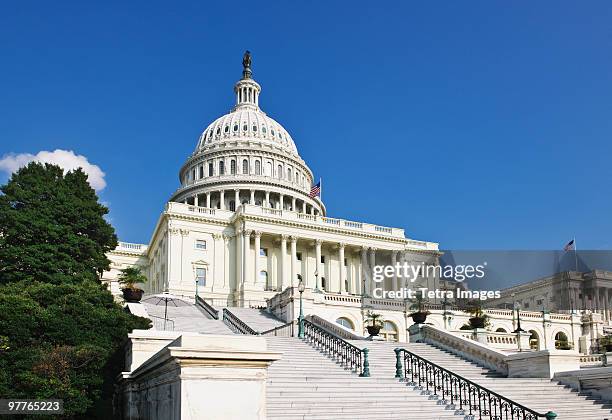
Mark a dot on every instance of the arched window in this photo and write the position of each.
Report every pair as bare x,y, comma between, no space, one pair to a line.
346,323
389,331
289,176
221,168
245,166
257,167
233,167
201,171
211,169
561,342
280,172
501,330
534,340
268,169
232,205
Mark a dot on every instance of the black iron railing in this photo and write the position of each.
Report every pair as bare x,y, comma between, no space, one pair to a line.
162,324
349,355
210,310
460,393
285,330
236,324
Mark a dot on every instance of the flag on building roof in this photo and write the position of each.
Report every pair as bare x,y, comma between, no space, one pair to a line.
315,190
571,245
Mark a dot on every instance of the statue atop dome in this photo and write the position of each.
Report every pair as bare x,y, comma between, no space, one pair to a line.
246,64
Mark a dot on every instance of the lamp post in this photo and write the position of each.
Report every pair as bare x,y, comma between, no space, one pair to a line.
517,307
301,316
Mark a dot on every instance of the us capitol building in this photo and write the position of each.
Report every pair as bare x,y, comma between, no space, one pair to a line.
243,225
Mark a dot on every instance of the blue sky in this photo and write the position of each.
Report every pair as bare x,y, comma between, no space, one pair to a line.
479,125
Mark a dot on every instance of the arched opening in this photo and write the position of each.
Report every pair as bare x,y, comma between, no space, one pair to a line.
280,172
268,169
233,167
389,331
257,167
245,166
211,170
346,323
534,340
561,341
221,168
501,330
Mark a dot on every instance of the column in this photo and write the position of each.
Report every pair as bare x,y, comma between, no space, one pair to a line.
252,199
606,305
312,210
304,207
195,200
318,263
364,272
294,262
236,198
342,271
394,282
256,265
208,199
282,202
596,301
222,198
267,203
283,270
372,263
239,250
293,204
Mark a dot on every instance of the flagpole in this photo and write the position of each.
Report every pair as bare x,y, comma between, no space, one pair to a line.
576,254
320,189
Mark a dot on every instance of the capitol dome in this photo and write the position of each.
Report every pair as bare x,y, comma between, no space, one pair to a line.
246,157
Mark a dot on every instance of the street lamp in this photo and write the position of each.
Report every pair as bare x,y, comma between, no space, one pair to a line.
517,307
316,273
301,317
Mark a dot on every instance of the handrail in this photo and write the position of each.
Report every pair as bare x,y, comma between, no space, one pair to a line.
210,310
285,330
236,324
474,400
348,354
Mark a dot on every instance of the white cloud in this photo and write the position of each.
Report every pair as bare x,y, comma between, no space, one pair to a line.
66,159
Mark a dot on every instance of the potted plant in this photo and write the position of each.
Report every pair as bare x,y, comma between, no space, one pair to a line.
418,306
479,319
376,323
129,278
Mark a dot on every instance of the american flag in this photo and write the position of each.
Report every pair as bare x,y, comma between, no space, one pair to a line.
315,190
570,246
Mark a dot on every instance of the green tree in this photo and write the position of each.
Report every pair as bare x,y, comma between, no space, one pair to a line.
52,227
61,332
131,276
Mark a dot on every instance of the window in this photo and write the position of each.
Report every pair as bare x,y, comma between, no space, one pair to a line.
345,262
232,205
289,174
254,128
389,331
201,276
323,285
345,322
526,305
263,276
257,167
298,255
226,129
264,130
540,302
233,167
268,169
211,169
201,171
245,166
561,342
218,131
500,330
200,244
245,127
280,172
236,127
222,168
322,259
263,252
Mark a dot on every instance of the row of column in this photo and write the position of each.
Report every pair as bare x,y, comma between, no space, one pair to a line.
289,272
305,207
597,301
